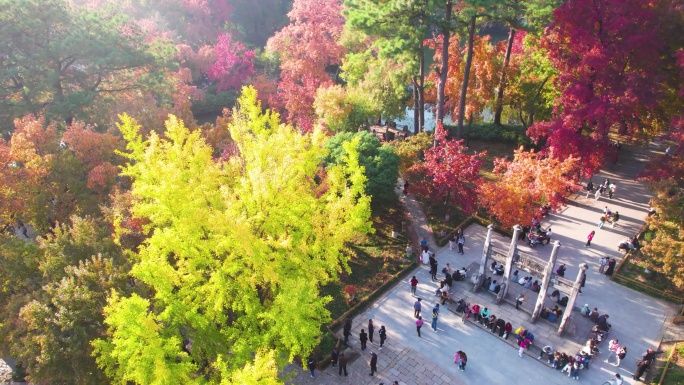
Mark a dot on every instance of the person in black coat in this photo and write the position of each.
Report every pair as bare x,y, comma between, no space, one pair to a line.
433,267
383,335
343,364
334,356
347,330
500,325
374,363
311,364
371,330
363,337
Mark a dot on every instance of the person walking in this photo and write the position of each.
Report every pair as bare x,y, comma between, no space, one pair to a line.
611,190
461,243
374,363
414,285
597,195
645,362
602,221
347,330
613,346
617,380
416,308
590,237
363,337
371,330
462,360
383,335
642,366
435,315
311,364
519,300
523,343
334,357
343,364
602,265
561,270
419,324
614,219
621,354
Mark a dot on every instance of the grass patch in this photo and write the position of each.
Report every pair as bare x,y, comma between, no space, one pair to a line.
494,150
675,371
374,260
640,273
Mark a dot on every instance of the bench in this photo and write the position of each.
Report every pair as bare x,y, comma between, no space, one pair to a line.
534,350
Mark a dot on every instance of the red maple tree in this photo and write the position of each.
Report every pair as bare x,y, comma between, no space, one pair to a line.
234,63
306,47
448,173
607,53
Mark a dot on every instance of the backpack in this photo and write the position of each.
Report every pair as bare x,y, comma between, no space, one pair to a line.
622,352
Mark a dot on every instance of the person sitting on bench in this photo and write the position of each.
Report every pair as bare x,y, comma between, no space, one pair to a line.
594,315
445,297
536,287
555,295
585,310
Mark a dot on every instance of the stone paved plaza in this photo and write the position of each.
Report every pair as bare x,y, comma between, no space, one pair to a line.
639,321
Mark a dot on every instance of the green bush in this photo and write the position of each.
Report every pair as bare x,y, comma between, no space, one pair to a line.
214,103
492,132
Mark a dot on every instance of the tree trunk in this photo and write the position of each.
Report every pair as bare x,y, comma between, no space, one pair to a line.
466,75
421,89
502,79
416,104
443,72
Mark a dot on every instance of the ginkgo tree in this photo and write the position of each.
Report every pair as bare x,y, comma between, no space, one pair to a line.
236,249
525,183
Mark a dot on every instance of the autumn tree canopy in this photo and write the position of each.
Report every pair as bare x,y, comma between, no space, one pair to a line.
306,47
236,249
609,60
58,60
524,184
448,173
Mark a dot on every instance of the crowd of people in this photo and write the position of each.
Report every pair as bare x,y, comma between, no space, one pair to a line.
567,363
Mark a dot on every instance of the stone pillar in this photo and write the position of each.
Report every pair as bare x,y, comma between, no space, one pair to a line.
545,281
509,264
573,297
477,283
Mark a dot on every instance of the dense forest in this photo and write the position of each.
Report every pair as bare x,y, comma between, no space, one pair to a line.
179,177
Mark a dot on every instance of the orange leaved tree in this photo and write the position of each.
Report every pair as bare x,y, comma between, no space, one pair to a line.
525,183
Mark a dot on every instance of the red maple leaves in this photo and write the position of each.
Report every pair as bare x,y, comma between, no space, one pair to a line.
234,63
448,173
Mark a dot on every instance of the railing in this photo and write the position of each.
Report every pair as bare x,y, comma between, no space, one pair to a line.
649,289
621,278
667,364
